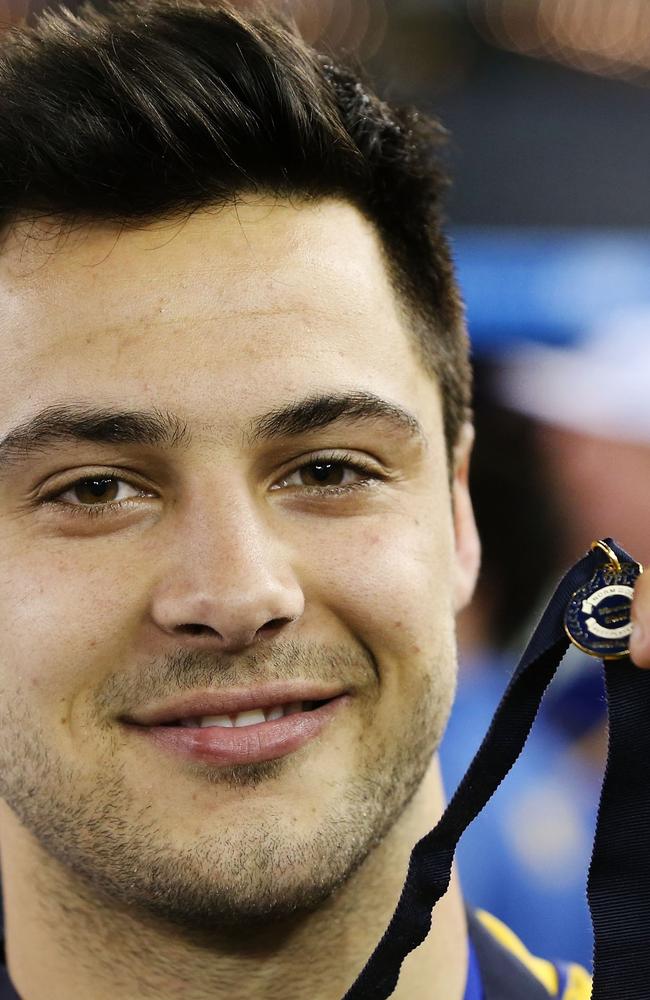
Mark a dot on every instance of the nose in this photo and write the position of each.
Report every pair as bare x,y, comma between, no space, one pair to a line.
229,580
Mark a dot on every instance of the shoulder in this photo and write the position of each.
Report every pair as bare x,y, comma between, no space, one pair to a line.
510,972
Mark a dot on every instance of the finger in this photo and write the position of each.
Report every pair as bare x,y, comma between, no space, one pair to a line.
640,639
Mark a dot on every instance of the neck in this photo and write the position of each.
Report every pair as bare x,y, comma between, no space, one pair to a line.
88,947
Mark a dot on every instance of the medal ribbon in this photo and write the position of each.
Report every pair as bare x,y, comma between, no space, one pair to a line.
619,874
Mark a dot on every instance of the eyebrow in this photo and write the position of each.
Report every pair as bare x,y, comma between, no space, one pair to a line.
77,422
320,411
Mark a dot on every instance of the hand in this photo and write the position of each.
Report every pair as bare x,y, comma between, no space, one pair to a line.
640,640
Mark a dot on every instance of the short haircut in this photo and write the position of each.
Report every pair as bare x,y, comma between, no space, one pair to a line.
145,110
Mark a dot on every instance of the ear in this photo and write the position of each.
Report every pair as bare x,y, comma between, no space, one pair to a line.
467,544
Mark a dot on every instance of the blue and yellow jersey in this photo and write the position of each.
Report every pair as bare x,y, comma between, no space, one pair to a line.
508,971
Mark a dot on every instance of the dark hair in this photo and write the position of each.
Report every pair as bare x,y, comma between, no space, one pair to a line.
147,109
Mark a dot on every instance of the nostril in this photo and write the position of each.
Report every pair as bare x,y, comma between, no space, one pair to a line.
197,630
275,623
194,628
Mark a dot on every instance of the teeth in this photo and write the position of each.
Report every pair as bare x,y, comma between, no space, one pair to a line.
252,717
215,720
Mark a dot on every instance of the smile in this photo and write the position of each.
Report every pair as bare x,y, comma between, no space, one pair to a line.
247,738
251,717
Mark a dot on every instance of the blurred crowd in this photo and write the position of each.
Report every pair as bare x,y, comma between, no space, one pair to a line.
562,458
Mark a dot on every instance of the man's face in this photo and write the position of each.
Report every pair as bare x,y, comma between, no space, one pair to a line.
225,558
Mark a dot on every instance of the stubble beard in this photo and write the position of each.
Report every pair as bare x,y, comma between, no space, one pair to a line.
114,851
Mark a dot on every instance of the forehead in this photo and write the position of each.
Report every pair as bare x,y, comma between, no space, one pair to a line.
279,294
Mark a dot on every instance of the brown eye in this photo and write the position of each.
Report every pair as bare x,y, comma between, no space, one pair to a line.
96,491
329,473
323,474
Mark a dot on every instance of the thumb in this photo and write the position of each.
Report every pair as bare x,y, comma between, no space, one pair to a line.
640,639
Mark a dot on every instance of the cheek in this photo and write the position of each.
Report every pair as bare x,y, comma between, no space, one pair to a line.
60,621
391,586
401,608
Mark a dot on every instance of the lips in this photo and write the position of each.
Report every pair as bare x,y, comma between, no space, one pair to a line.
253,716
198,704
251,744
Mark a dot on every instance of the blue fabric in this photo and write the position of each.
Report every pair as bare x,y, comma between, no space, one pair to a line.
474,987
7,991
563,978
536,832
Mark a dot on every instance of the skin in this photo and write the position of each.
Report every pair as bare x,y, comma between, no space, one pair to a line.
128,871
640,641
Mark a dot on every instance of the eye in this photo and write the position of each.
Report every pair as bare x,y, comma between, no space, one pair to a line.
330,473
97,491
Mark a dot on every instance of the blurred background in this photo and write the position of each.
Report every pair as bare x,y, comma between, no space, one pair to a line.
549,216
